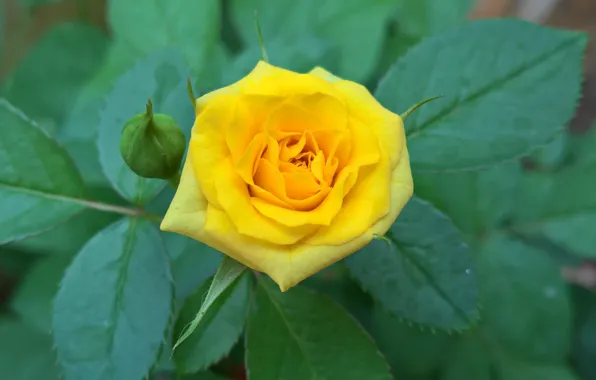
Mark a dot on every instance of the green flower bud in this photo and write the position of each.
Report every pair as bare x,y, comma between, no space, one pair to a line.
153,145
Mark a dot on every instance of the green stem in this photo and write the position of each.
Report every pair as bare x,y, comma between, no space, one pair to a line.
264,55
174,181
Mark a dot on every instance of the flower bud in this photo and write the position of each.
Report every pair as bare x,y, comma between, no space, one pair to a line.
153,145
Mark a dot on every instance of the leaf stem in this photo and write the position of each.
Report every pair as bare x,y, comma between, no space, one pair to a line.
264,55
118,209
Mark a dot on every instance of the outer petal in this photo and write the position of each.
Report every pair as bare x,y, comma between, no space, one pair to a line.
266,79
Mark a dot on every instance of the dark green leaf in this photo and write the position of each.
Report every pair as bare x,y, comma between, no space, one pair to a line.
468,359
476,201
553,154
29,3
220,328
561,205
509,86
227,274
39,185
33,299
336,282
114,304
525,302
201,376
14,263
299,55
162,77
424,273
47,81
192,263
356,27
26,354
584,345
303,335
512,370
67,238
192,27
410,350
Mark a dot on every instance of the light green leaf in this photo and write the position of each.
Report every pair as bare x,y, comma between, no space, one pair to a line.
220,328
424,273
227,274
356,27
114,304
47,81
34,297
494,109
162,77
525,302
192,27
39,185
476,201
301,334
26,354
410,350
428,17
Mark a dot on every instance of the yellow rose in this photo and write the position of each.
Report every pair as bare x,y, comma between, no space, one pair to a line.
289,173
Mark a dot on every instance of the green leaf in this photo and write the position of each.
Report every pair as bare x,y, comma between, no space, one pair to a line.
67,238
162,77
299,55
553,154
467,359
81,143
410,350
356,27
220,328
14,263
494,109
192,263
560,205
525,302
428,17
424,273
584,345
512,370
200,376
26,353
301,334
227,274
31,3
336,282
114,304
47,81
34,297
39,184
476,201
192,27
